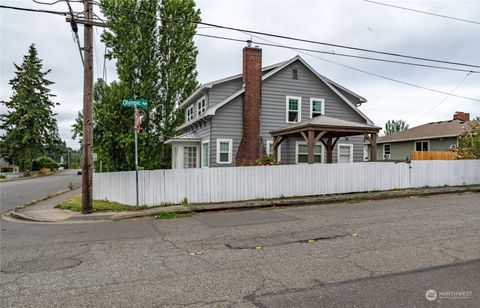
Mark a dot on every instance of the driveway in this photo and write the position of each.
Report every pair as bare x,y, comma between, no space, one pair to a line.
13,193
372,254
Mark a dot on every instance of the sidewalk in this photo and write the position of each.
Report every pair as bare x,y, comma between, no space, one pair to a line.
45,210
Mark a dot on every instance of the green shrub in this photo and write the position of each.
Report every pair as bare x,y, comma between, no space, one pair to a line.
44,162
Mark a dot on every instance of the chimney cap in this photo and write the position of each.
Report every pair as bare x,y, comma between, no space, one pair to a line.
249,43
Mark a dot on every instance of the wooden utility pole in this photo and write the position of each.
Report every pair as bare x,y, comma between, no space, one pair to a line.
87,175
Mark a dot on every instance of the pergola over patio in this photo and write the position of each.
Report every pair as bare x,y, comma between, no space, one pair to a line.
327,130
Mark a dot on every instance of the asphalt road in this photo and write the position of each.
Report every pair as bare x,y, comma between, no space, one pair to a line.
13,193
372,254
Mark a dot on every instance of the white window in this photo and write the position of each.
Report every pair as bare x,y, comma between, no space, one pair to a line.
201,105
224,151
293,109
422,145
386,151
301,152
189,157
191,112
270,150
317,107
205,154
345,153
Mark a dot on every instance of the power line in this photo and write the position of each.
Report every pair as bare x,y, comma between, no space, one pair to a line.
300,50
308,40
333,53
33,10
55,2
450,94
423,12
379,76
74,27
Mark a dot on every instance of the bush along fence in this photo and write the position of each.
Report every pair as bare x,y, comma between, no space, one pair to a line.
246,183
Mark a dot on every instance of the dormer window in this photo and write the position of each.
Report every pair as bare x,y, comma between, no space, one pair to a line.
201,105
191,112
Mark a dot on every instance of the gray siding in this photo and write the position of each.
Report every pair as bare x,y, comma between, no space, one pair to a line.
221,91
228,120
227,124
273,111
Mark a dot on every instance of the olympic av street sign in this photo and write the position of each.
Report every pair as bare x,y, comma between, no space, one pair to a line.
135,103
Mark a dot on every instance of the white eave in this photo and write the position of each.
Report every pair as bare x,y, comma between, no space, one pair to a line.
415,138
201,90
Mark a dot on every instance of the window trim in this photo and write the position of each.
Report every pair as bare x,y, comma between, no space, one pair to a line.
196,155
322,158
383,157
415,145
350,145
202,109
208,160
193,115
312,99
230,151
279,151
287,110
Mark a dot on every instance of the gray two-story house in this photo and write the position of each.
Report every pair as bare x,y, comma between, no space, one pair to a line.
229,122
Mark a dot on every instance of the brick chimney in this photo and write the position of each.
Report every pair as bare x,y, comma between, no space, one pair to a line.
462,116
249,149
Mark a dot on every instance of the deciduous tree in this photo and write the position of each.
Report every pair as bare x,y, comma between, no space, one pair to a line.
395,126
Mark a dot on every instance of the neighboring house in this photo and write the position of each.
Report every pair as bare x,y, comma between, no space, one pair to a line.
7,167
435,136
229,122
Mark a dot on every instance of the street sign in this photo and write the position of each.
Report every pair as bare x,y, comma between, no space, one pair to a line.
132,103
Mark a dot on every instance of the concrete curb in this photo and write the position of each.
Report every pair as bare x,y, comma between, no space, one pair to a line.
282,203
325,200
21,216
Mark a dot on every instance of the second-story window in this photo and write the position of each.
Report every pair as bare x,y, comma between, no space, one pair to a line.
317,107
201,106
191,112
294,107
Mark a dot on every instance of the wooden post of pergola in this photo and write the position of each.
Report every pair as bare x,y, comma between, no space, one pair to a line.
276,143
329,146
372,138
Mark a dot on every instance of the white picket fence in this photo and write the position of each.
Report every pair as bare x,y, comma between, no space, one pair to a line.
246,183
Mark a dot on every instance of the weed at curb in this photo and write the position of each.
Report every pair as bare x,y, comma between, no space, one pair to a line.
173,215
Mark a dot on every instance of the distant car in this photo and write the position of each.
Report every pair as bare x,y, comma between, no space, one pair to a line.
79,172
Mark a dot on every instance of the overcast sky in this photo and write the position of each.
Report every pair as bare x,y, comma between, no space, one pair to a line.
355,23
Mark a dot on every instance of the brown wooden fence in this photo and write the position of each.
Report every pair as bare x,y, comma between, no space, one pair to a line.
433,155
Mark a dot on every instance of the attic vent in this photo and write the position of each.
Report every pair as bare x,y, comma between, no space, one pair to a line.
295,74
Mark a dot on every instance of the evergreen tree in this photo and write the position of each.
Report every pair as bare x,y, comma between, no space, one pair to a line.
30,129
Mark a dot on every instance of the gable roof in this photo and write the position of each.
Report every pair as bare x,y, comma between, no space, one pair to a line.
208,85
187,137
442,129
325,80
